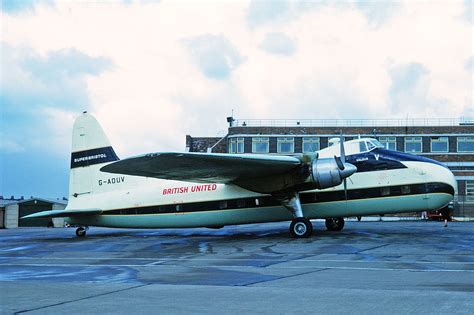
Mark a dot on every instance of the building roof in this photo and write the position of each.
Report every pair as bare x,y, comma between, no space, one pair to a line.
7,202
408,122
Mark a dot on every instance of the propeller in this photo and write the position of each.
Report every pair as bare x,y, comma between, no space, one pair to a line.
342,160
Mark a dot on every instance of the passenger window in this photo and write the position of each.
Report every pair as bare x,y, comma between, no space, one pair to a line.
223,205
405,190
385,191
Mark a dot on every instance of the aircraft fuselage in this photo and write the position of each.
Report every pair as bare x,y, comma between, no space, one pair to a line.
386,182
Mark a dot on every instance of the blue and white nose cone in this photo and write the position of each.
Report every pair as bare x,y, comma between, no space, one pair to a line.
440,182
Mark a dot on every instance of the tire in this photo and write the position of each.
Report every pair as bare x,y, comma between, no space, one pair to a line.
301,228
335,224
81,232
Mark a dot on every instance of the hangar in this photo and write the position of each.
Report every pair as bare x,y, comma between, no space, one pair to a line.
13,208
449,140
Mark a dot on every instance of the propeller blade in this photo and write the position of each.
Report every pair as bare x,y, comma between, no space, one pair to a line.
339,163
341,144
345,188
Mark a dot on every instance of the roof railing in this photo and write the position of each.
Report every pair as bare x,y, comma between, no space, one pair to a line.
410,122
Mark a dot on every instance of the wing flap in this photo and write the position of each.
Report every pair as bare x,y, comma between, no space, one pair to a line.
204,167
63,213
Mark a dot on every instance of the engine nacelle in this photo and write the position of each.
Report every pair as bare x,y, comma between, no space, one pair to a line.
326,172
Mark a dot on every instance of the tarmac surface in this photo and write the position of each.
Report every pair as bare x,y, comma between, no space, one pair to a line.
369,267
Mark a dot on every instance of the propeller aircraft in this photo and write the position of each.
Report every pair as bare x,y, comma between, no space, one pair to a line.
185,190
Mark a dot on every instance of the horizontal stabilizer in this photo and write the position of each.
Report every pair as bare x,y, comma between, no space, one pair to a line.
204,167
63,213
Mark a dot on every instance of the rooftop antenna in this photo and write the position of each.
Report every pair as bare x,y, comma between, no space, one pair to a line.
231,119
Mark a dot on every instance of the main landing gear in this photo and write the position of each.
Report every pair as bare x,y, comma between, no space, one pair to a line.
81,231
300,226
335,224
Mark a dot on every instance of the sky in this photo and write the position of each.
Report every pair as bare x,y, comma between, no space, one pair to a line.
153,71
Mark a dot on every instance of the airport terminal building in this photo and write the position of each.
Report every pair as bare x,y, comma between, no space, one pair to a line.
450,141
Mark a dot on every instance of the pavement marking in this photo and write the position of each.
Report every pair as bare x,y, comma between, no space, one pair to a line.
161,260
81,299
232,266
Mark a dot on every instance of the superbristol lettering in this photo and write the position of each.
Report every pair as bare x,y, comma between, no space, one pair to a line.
90,157
111,181
184,190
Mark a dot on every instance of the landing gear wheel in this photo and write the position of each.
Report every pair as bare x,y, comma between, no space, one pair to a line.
301,228
335,224
81,232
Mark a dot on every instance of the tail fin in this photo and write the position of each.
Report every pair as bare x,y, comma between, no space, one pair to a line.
90,150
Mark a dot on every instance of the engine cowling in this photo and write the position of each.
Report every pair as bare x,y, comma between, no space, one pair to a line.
328,172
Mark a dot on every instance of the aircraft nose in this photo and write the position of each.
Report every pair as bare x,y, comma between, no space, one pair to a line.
348,170
441,185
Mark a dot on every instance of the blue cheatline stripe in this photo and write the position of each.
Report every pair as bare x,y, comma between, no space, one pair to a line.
306,198
92,157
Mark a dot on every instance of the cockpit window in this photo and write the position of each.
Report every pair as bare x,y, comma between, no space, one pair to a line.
372,144
363,146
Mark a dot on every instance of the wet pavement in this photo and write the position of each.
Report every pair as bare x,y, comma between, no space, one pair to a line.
376,267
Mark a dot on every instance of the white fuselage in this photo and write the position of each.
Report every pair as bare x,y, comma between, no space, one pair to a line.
122,199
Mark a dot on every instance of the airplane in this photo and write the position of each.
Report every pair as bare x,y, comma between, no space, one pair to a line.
187,190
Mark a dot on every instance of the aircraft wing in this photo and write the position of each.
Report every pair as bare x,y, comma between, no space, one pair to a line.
204,167
63,213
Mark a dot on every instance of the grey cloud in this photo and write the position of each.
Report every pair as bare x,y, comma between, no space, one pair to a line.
279,44
214,55
410,88
469,64
377,12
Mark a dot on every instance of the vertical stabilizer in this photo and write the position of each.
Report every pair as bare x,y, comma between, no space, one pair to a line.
90,150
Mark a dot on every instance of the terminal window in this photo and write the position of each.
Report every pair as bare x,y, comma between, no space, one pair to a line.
470,191
285,145
236,145
389,143
465,144
310,144
439,144
413,145
260,145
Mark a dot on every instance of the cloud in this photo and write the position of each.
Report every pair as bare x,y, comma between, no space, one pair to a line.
214,55
469,10
20,6
31,83
469,64
153,73
279,44
64,64
261,11
378,12
410,90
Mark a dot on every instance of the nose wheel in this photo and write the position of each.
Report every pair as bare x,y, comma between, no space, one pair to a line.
81,231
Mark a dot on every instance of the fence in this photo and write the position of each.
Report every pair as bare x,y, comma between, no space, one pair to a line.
464,206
